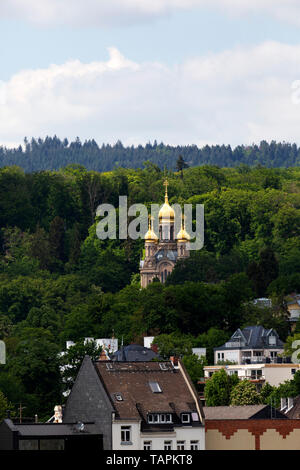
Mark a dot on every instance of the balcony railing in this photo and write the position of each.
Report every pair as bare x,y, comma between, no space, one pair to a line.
266,360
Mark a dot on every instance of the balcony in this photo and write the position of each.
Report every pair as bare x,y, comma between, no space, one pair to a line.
265,360
254,378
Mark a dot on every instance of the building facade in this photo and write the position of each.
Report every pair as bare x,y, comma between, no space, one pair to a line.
138,405
252,345
162,251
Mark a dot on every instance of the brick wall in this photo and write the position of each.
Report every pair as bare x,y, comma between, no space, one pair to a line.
262,434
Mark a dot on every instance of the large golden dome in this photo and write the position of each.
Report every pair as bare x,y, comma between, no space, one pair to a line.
166,212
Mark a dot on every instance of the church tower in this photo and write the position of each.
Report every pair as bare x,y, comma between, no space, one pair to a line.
162,251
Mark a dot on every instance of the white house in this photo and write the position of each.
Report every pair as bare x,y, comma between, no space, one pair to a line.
138,405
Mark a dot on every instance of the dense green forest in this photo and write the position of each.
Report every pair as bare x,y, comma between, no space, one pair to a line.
59,282
53,153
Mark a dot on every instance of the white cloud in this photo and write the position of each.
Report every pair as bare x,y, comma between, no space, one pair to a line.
242,95
106,13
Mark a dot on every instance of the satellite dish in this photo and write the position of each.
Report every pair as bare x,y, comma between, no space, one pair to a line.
80,426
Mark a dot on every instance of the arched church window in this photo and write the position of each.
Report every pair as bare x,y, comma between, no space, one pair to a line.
172,233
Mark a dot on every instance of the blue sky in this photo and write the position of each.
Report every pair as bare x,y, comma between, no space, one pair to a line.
185,74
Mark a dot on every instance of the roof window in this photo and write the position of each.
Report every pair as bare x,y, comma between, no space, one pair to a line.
155,387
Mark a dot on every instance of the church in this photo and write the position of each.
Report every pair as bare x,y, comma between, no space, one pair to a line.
163,250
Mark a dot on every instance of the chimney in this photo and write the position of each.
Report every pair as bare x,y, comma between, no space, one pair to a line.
36,419
174,361
154,348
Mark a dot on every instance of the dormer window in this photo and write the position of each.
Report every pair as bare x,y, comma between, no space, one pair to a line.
272,340
185,418
119,397
159,418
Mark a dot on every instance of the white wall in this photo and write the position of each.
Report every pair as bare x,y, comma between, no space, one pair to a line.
186,434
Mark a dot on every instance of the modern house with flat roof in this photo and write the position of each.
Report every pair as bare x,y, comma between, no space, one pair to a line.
259,374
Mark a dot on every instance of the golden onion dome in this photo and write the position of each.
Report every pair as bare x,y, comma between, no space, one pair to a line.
182,235
166,212
151,235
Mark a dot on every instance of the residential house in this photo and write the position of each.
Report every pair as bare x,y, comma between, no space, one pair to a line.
138,405
251,345
259,374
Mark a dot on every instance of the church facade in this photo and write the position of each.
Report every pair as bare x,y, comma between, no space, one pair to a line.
164,249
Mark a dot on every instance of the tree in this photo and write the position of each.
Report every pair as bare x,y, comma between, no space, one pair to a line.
3,406
213,338
180,165
57,238
72,358
244,393
265,392
36,365
194,365
217,389
174,344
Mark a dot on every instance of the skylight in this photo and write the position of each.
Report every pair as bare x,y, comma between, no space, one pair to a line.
155,387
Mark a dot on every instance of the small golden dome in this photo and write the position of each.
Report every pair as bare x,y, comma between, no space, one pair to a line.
182,235
166,212
151,235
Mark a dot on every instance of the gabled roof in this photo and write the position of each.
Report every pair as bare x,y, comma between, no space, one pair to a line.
128,386
254,337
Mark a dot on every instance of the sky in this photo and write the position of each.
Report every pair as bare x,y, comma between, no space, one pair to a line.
177,71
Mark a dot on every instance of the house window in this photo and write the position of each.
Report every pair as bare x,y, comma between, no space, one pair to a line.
185,418
180,445
125,434
194,445
256,374
220,356
293,371
154,418
147,445
167,445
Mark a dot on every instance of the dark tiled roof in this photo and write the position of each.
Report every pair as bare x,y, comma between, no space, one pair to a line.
256,338
131,380
133,353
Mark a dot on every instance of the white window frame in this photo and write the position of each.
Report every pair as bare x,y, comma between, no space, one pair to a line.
185,418
168,445
160,418
180,445
194,445
147,445
126,434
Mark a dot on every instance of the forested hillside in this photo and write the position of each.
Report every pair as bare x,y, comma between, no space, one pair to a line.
53,154
59,282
